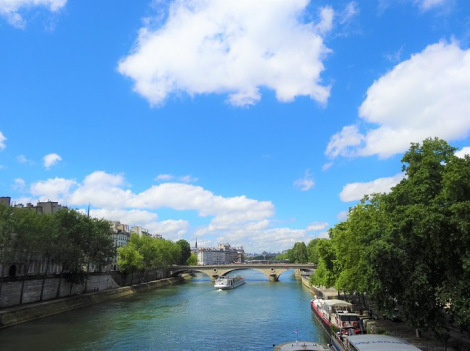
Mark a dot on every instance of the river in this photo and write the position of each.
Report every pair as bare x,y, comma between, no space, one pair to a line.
188,316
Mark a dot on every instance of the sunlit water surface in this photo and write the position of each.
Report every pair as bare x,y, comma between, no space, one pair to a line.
189,316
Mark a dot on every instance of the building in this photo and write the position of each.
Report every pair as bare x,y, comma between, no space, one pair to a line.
120,233
224,254
139,230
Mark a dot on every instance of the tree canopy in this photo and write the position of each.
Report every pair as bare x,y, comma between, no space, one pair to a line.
410,247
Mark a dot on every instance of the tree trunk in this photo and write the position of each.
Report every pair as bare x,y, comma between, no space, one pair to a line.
44,280
24,279
418,333
60,280
86,277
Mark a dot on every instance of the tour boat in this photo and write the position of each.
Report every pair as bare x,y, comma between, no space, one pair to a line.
337,316
301,346
227,282
371,342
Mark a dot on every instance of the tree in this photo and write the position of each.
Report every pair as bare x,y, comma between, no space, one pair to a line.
312,251
412,254
455,197
98,245
129,259
192,260
68,253
298,254
325,274
185,251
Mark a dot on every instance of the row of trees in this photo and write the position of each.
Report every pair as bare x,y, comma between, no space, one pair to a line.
76,244
408,248
66,239
144,254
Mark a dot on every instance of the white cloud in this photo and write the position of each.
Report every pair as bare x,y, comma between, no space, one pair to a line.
425,5
305,183
316,226
341,142
56,189
356,191
51,159
326,23
342,216
350,11
231,47
233,218
164,177
24,159
169,177
2,141
464,151
175,228
425,96
10,9
20,184
102,190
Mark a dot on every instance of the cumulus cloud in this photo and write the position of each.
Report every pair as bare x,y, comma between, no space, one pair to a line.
2,141
356,191
462,152
231,47
316,226
169,177
425,96
51,159
305,183
11,9
233,218
56,189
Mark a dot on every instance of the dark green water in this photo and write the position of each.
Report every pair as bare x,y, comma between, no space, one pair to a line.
190,316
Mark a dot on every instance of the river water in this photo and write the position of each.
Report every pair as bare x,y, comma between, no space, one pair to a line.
188,316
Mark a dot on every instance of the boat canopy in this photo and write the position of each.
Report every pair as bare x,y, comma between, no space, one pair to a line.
371,342
337,303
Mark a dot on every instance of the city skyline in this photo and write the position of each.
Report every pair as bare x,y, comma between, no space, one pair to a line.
257,123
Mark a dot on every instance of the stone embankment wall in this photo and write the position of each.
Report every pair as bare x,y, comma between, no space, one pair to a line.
24,313
11,289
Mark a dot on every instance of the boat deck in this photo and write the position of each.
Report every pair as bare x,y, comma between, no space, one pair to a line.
301,346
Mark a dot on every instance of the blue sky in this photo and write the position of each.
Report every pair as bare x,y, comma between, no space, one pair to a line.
253,122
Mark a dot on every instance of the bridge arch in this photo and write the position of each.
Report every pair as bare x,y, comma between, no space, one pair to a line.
272,271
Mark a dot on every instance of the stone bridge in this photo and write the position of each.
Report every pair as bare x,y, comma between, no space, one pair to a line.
271,270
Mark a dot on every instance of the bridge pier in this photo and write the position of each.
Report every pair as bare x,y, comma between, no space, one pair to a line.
273,278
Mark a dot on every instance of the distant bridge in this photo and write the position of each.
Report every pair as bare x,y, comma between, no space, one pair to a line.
271,270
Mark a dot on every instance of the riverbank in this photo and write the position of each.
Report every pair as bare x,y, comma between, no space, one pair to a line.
456,341
24,313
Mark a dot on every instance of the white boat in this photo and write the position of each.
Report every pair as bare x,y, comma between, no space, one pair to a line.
301,346
372,342
228,282
337,315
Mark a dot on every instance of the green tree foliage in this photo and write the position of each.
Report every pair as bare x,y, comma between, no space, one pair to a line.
298,254
67,238
411,247
185,251
325,274
144,254
192,260
312,251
